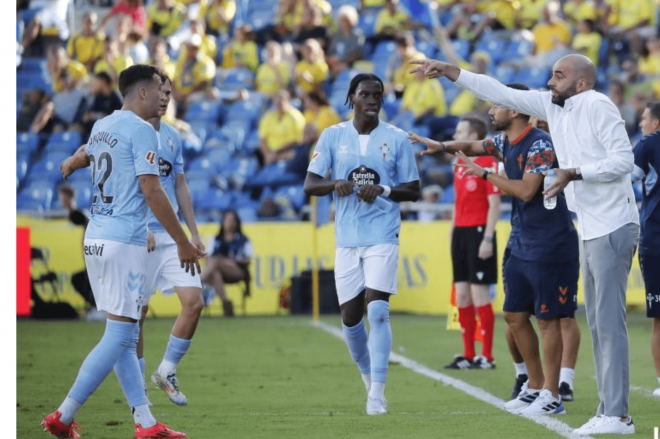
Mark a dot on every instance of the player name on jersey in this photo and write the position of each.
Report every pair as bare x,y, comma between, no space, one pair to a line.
105,137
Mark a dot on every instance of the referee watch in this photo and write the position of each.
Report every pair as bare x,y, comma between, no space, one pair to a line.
578,174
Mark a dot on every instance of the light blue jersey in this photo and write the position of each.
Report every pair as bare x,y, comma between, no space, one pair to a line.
170,163
122,146
389,160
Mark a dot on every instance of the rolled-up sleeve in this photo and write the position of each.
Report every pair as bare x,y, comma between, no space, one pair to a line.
609,128
529,102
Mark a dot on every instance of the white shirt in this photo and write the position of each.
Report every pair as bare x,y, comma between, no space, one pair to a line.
589,133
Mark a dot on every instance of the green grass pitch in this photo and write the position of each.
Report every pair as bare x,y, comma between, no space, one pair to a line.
279,377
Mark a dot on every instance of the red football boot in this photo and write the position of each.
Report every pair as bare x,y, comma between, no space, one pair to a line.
157,431
54,426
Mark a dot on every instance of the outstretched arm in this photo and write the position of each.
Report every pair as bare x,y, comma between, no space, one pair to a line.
469,148
77,161
529,102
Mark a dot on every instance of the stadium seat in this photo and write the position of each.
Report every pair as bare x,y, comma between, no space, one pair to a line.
383,51
251,142
534,77
34,65
367,21
45,170
448,195
428,48
64,142
215,199
21,168
40,192
493,46
504,73
238,78
219,157
28,204
261,19
517,49
247,111
462,48
201,165
81,175
247,214
203,111
202,129
27,143
83,194
294,193
391,105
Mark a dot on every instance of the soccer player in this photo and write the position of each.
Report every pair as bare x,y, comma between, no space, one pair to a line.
123,153
377,160
474,251
163,268
647,164
542,271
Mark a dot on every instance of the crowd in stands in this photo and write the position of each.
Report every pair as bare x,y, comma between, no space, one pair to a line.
255,82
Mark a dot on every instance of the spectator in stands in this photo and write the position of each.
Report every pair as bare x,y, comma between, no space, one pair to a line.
649,62
114,61
430,197
312,70
218,15
274,74
209,46
311,27
61,111
229,261
164,17
193,80
47,29
160,57
390,23
136,49
103,101
130,8
319,115
86,46
31,103
347,43
476,16
280,130
578,10
551,36
406,51
364,4
530,13
58,62
426,101
587,41
242,51
636,82
291,14
635,20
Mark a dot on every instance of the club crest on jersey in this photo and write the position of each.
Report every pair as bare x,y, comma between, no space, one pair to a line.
150,157
362,175
384,149
343,149
170,141
563,295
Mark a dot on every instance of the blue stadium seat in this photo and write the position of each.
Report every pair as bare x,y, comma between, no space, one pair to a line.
27,203
534,77
261,19
198,185
234,132
248,111
219,157
45,170
199,166
367,21
448,195
251,143
246,166
34,65
21,168
517,49
504,74
202,129
27,143
81,175
462,48
215,199
384,50
493,46
64,142
238,78
247,214
428,48
83,194
203,111
391,105
294,193
41,192
55,156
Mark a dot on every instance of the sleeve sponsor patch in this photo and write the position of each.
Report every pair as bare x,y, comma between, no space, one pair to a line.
150,157
315,156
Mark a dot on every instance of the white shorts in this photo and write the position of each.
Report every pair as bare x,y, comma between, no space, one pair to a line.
164,269
357,268
117,273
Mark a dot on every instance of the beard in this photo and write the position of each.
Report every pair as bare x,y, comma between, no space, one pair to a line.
560,98
501,125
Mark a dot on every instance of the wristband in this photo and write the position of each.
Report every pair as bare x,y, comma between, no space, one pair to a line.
485,174
488,238
386,190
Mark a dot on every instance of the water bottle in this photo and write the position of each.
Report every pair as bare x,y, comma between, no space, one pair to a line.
380,202
549,203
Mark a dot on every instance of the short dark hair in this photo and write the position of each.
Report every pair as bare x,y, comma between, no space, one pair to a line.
654,109
163,76
133,75
356,81
67,190
519,86
318,98
103,76
477,125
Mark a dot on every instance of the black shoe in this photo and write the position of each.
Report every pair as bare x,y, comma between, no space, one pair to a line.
481,362
459,363
565,392
517,386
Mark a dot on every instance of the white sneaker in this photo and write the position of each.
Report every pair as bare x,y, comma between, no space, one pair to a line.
607,424
523,401
656,392
545,404
376,406
170,385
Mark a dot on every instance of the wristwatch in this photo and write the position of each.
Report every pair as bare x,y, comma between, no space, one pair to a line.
485,174
578,174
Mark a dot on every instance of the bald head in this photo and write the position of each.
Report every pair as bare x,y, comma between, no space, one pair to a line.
571,75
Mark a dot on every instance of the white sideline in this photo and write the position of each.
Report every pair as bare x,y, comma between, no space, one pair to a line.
548,422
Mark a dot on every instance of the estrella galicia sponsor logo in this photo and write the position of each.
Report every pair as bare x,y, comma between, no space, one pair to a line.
164,167
362,175
94,250
100,210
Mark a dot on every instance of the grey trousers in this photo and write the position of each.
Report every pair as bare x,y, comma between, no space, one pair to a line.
606,265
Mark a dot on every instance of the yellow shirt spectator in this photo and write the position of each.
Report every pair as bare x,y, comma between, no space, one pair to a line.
213,21
632,12
267,80
372,3
545,34
245,53
85,48
119,64
208,48
505,11
190,75
419,96
581,11
530,12
326,117
316,73
387,23
279,132
401,76
165,22
650,65
76,69
589,44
